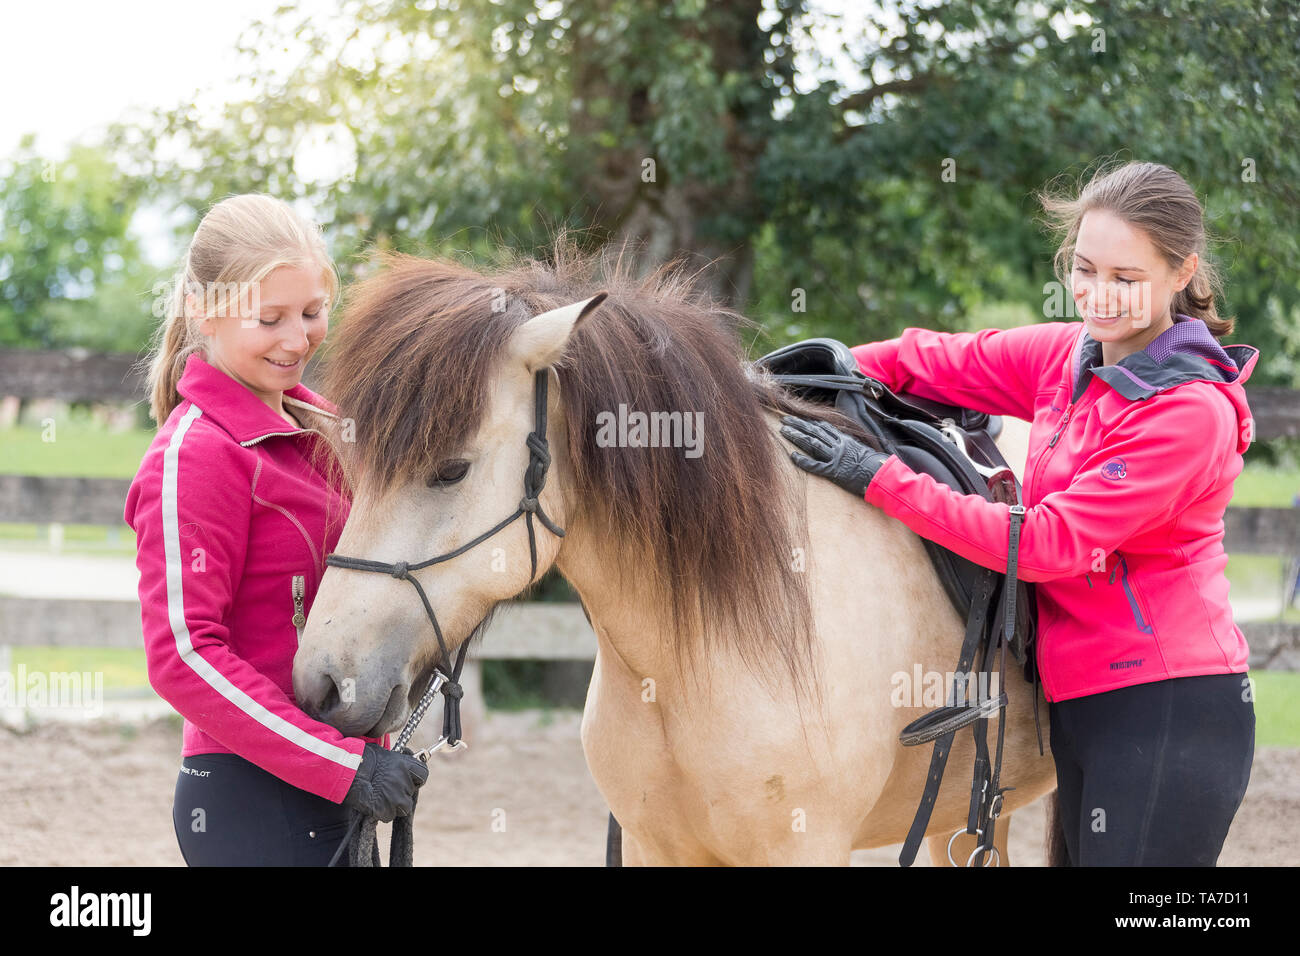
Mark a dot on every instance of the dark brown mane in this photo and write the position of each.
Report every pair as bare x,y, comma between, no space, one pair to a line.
419,340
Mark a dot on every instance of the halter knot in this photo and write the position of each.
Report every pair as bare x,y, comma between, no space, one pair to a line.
452,690
399,570
527,504
540,448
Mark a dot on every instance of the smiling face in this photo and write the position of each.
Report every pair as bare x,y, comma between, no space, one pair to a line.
266,341
1122,286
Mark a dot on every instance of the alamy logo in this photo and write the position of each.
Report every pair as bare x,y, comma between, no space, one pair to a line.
102,909
1114,469
653,430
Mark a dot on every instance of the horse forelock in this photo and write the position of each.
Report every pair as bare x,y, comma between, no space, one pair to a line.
420,342
409,363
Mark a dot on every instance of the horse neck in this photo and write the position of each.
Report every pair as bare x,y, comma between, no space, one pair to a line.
627,608
626,612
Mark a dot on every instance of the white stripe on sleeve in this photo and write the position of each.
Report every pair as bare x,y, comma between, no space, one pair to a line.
176,613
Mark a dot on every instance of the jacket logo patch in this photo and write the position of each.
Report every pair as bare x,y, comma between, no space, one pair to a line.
1114,469
1125,665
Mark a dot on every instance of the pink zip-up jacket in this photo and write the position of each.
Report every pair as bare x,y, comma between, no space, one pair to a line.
1130,468
232,525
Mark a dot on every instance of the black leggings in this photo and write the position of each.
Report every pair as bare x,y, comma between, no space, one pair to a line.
230,812
1152,775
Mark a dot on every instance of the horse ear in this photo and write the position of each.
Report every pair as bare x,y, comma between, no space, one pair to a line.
540,341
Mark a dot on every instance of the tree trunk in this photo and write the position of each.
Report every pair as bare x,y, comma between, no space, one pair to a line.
671,216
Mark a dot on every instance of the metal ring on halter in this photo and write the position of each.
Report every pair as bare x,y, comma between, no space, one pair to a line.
441,744
978,833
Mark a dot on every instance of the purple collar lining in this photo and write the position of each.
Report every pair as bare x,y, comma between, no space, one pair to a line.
1187,335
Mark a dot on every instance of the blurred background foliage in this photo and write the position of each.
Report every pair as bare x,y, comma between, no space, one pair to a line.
800,158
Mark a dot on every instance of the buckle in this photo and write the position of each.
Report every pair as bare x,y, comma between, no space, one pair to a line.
441,745
995,805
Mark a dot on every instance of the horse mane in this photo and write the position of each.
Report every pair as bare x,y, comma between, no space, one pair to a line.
713,534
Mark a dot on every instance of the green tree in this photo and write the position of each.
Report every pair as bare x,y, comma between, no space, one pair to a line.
479,123
64,241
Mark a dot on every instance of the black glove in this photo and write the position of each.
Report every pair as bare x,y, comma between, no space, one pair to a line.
385,784
835,455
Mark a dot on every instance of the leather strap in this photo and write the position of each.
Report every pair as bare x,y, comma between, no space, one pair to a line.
986,795
939,759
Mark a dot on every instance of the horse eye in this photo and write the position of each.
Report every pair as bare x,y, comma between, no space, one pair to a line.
449,472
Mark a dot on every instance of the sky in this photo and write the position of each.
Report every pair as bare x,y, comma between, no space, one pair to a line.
82,64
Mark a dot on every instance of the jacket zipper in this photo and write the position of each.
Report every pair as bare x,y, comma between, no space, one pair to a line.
1061,426
299,592
1038,468
1042,459
260,438
1133,605
311,547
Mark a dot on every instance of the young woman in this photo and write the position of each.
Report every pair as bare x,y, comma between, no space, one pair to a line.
1139,425
234,513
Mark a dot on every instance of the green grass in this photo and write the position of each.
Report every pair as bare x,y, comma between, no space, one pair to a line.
1255,575
77,538
1277,708
1261,487
123,667
80,448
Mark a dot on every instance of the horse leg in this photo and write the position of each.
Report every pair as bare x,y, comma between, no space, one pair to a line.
964,845
632,855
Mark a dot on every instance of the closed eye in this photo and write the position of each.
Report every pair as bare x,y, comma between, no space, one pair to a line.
1088,272
305,315
448,473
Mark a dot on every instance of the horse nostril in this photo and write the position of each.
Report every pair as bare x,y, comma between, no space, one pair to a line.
331,700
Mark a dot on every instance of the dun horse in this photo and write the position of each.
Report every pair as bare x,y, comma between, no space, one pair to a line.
760,631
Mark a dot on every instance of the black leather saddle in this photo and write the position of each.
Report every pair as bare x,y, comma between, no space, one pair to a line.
953,445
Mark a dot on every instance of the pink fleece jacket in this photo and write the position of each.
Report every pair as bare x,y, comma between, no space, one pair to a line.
233,523
1129,471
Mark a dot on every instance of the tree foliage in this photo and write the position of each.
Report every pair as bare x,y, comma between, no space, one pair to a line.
720,130
67,263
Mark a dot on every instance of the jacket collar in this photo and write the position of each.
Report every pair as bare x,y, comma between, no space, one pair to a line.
1186,351
241,413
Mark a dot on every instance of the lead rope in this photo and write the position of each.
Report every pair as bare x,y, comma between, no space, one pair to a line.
360,841
364,851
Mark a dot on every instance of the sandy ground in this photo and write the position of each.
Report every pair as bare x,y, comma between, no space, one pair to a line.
100,794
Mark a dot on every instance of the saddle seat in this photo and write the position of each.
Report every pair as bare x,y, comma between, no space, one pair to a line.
953,445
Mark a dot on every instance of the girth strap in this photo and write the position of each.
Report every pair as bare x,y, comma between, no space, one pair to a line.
943,744
942,725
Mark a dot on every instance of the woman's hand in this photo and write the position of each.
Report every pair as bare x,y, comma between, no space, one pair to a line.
835,455
385,784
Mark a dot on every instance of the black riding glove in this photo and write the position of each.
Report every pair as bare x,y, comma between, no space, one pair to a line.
835,455
386,782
